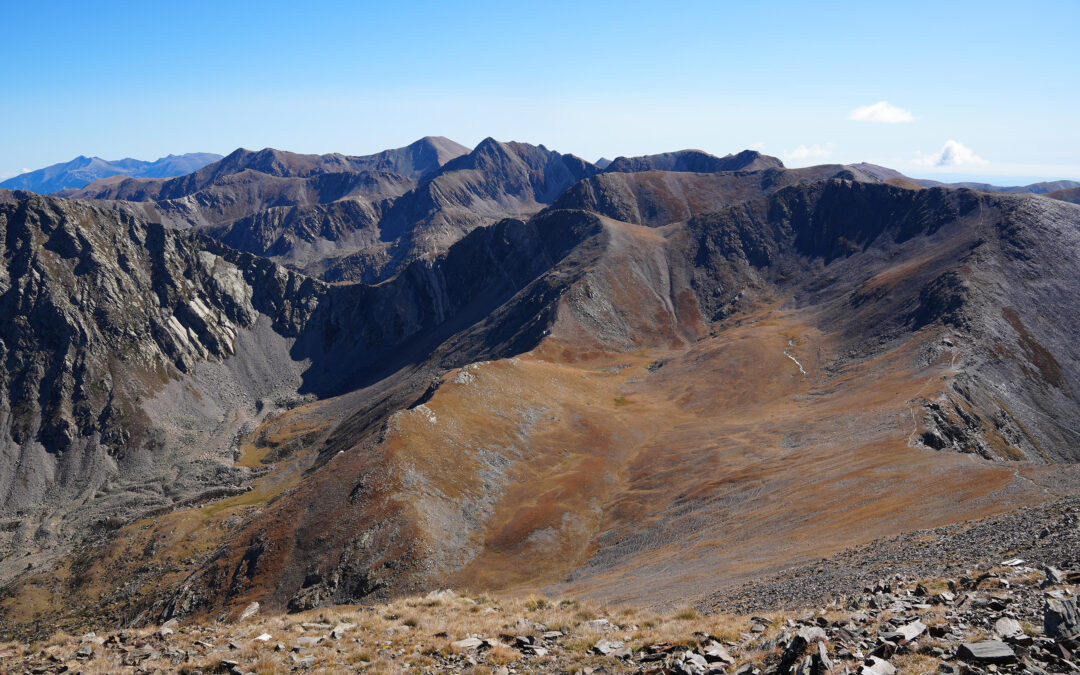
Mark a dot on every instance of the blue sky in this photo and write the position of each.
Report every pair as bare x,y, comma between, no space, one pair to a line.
974,89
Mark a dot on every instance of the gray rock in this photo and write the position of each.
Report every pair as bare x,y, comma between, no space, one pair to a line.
714,651
988,651
912,630
1006,627
605,647
822,658
467,643
137,656
811,633
1060,618
1054,575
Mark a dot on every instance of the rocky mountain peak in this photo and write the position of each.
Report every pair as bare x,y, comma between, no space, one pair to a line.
695,161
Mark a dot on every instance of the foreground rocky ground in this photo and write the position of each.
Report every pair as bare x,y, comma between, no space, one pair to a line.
1012,616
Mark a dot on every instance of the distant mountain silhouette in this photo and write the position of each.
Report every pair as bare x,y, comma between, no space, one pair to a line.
82,171
887,174
695,161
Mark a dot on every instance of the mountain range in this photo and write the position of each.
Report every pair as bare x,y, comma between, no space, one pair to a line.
307,380
82,171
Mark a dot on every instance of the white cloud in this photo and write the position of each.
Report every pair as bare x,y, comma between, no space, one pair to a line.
809,152
757,145
953,153
4,175
882,111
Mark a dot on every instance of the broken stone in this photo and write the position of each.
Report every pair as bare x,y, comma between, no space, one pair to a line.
467,643
714,651
822,660
1054,575
792,652
137,656
339,630
304,662
605,647
912,630
1060,618
811,633
1006,627
987,651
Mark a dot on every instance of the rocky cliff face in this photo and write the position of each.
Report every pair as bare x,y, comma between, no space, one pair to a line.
106,311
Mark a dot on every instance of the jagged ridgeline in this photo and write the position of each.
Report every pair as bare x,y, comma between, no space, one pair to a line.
305,380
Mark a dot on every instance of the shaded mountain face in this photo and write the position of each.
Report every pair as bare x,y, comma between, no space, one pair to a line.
362,218
351,218
585,398
82,171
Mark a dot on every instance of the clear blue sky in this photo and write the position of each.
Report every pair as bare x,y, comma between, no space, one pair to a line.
998,80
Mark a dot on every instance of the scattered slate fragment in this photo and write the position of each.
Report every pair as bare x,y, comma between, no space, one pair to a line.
987,651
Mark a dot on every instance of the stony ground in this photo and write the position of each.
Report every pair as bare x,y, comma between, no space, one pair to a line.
1048,534
1009,618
